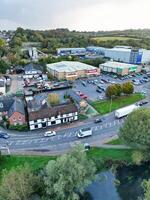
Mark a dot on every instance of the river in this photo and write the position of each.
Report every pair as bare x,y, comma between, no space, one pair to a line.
124,184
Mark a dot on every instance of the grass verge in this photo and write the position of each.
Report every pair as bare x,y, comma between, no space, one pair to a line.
103,107
115,142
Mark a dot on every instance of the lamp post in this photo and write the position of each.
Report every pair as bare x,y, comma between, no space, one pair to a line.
111,103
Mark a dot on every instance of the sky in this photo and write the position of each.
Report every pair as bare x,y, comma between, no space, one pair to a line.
81,15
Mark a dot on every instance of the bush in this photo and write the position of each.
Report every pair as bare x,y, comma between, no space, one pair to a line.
19,127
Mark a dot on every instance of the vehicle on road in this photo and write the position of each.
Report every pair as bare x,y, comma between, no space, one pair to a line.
142,103
98,120
87,147
49,133
122,112
4,135
85,132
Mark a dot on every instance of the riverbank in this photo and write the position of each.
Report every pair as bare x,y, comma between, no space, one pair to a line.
38,162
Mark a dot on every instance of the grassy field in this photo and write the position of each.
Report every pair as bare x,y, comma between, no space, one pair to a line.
38,162
103,107
110,154
103,39
115,142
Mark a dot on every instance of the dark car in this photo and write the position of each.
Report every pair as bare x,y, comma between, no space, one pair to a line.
143,103
99,120
4,135
98,90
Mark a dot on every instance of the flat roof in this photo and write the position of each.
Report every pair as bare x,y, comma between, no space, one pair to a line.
69,66
117,65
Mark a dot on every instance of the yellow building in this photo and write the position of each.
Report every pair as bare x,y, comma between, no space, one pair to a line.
71,70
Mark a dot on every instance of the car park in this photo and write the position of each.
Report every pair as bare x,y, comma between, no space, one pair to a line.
49,133
4,135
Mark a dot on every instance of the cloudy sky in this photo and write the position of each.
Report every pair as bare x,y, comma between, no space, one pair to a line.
89,15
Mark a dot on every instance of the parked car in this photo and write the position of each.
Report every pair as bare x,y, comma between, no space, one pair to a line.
98,90
49,133
84,83
98,120
4,135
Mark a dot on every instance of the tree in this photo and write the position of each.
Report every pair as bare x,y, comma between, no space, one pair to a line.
67,176
137,157
136,129
18,184
127,88
53,99
146,188
111,91
3,66
118,89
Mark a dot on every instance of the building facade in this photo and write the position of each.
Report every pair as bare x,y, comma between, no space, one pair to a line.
71,52
71,70
48,117
120,68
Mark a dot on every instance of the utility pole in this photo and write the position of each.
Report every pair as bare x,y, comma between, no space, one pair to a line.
110,103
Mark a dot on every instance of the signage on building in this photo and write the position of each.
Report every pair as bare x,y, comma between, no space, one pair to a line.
91,71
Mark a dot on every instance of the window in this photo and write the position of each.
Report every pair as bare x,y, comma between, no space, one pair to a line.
20,118
53,123
14,119
36,126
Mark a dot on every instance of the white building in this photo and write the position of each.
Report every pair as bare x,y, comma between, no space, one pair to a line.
2,86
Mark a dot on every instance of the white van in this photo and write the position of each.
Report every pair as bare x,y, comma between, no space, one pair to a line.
85,132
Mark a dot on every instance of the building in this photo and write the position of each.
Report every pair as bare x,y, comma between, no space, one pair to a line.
96,50
31,70
125,54
2,86
71,52
71,70
146,56
120,68
50,116
13,110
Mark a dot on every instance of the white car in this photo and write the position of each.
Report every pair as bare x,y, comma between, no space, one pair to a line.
49,133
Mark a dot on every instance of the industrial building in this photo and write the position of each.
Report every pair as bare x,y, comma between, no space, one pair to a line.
96,50
71,70
125,54
120,68
71,52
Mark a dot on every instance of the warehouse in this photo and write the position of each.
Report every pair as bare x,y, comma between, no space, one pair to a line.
120,68
71,52
71,70
125,54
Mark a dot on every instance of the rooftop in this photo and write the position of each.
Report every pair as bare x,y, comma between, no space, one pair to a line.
69,66
117,65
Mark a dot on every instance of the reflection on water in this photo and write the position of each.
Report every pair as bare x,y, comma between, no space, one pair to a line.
124,185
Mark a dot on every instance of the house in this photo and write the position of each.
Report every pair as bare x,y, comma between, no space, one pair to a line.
50,116
13,110
32,70
41,114
81,103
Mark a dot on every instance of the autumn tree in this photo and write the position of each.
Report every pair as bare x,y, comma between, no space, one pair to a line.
127,88
114,90
53,99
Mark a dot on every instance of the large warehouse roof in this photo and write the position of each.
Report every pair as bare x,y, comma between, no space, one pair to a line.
69,66
112,64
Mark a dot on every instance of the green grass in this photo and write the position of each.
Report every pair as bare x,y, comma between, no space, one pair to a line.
36,162
82,117
103,107
115,142
103,39
110,154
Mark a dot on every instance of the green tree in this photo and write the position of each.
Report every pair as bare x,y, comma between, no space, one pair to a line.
66,177
3,66
137,157
146,188
18,184
127,88
118,89
136,129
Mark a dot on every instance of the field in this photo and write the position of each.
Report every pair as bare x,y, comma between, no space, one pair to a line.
103,39
38,162
103,107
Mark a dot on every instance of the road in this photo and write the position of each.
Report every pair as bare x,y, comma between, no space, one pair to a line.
66,136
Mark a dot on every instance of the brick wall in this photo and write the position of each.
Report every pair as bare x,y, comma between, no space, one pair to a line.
17,118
